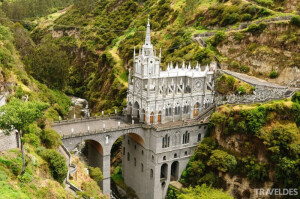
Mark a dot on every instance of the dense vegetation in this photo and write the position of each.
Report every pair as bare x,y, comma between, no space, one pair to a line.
20,9
274,127
227,84
99,40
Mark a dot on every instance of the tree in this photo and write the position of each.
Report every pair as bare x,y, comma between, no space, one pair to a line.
18,115
222,161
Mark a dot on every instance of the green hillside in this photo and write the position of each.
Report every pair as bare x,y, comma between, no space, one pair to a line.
84,48
99,39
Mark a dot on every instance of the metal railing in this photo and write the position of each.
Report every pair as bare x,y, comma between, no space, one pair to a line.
70,171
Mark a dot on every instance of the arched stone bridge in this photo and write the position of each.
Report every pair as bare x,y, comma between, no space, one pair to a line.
159,145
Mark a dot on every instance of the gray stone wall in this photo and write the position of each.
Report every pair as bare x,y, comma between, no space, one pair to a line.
9,141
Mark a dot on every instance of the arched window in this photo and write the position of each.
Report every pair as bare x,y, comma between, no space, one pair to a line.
166,141
168,110
199,137
186,138
186,109
164,158
177,110
175,155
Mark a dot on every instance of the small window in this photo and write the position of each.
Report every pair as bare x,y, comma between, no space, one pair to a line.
205,127
185,153
151,62
199,137
142,152
151,173
123,150
142,167
128,142
152,157
128,156
175,155
200,127
135,146
164,158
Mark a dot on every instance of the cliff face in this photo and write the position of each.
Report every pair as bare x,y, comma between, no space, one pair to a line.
266,148
274,49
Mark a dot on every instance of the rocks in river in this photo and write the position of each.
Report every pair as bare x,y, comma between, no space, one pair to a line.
79,102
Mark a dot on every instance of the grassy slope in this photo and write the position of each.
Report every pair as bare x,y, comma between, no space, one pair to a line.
37,181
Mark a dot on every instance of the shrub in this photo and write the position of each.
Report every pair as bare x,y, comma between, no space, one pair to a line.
241,90
57,164
296,97
230,81
244,69
203,192
222,161
246,17
229,19
235,64
273,74
258,172
51,138
218,38
96,173
295,21
254,28
32,139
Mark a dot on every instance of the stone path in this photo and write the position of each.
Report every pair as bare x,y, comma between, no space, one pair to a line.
252,80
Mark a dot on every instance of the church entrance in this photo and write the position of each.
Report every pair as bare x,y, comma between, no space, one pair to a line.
159,117
196,109
151,118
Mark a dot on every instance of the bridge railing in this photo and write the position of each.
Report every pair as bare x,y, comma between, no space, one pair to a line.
104,117
102,131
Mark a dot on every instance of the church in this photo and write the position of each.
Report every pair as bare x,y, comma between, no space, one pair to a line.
175,94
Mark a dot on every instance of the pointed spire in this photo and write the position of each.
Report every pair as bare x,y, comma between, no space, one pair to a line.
189,65
148,37
197,65
171,66
183,65
176,65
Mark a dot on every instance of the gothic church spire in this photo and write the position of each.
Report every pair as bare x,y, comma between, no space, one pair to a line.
148,37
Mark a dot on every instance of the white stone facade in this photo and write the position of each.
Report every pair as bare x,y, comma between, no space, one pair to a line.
179,93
